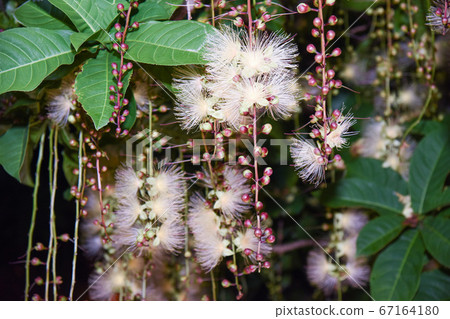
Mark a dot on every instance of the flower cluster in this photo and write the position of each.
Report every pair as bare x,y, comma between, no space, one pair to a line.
325,272
312,157
218,226
240,73
61,102
148,214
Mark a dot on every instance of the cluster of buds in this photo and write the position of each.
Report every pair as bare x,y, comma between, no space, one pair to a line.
328,132
119,114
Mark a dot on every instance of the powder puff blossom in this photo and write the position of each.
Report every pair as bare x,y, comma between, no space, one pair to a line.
106,284
167,182
358,273
209,243
248,240
140,94
171,235
438,17
127,182
229,200
129,210
347,247
351,221
337,138
308,161
60,103
223,47
320,272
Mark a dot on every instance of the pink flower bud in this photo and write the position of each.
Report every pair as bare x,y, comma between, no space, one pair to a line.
246,198
317,22
247,174
258,232
120,7
248,223
259,205
315,33
270,239
266,128
311,48
265,180
332,20
336,52
225,283
242,160
303,8
118,35
243,129
330,35
331,73
248,251
318,58
268,171
264,216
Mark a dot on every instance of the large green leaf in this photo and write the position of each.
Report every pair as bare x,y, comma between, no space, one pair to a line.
28,55
92,87
13,146
31,14
436,235
88,16
356,192
156,10
378,233
168,42
429,168
396,272
434,286
372,170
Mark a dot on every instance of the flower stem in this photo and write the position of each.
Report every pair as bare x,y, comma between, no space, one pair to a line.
80,188
33,215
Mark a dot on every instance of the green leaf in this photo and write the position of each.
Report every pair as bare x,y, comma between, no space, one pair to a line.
156,10
372,170
92,87
434,286
31,14
396,272
88,16
378,233
435,234
28,55
79,38
13,146
356,192
168,42
429,168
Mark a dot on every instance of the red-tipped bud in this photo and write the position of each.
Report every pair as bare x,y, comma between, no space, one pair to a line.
268,171
317,22
332,20
336,52
248,223
259,257
243,129
265,180
238,22
259,205
303,8
270,239
318,58
118,35
266,129
315,33
268,231
266,264
325,90
248,251
117,26
331,73
336,113
311,48
247,174
264,216
243,160
246,198
135,25
124,46
226,283
330,35
258,232
120,7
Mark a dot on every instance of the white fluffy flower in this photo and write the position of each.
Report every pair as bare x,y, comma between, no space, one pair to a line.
320,272
127,182
308,161
351,221
338,137
210,246
167,182
171,235
222,48
248,240
106,284
229,200
358,272
60,103
128,211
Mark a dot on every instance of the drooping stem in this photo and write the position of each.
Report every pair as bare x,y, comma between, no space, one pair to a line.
150,149
144,282
80,189
255,166
213,285
388,58
100,198
250,23
212,14
33,214
324,73
52,213
50,241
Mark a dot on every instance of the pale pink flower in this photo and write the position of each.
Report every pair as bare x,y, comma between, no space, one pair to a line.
308,161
